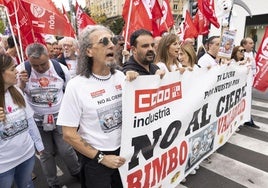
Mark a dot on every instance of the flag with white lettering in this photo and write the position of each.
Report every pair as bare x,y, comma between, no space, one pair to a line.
261,77
20,22
137,15
82,19
47,19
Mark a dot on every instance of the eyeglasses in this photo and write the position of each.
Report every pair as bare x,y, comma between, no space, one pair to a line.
105,40
242,50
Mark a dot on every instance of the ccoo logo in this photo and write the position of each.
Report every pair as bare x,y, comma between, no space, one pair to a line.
37,11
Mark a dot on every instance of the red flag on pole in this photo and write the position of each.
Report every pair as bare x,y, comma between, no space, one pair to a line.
208,10
156,17
201,23
261,78
82,19
65,14
137,15
167,20
47,19
23,29
189,30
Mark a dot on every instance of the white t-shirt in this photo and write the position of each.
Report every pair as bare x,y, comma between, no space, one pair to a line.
16,144
207,61
251,57
162,66
72,64
96,107
44,92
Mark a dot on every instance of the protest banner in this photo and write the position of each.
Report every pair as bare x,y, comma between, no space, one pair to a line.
170,125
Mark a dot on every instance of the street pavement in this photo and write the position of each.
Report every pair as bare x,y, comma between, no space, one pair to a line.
241,162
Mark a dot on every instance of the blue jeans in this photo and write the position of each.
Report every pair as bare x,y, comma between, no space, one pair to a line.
21,174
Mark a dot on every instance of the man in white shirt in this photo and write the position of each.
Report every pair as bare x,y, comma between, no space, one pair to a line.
44,91
248,44
209,58
91,111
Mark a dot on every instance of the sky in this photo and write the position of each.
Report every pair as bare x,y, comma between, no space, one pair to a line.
59,3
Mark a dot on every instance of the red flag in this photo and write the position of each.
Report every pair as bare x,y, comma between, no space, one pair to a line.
46,18
189,29
167,20
156,17
156,10
261,78
24,27
140,16
82,18
65,14
201,23
208,10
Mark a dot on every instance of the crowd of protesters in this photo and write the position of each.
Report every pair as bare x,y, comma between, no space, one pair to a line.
62,80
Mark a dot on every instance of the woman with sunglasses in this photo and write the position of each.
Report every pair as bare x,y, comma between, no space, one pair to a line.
18,131
237,55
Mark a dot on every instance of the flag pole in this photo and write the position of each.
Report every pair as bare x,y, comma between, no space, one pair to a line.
19,35
12,33
127,29
20,55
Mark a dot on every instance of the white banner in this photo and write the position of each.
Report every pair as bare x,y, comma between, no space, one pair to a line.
170,125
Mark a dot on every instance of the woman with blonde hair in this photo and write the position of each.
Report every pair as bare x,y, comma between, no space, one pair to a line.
187,57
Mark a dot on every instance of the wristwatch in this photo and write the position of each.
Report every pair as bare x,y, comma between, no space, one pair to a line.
99,156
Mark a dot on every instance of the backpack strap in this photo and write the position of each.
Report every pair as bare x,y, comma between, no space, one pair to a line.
58,69
28,67
55,63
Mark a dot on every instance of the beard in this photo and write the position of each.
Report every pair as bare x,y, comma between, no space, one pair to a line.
110,64
148,58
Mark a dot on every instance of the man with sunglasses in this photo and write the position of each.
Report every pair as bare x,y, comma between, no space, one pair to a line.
91,110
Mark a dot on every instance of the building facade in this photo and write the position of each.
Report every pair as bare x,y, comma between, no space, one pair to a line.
110,8
113,8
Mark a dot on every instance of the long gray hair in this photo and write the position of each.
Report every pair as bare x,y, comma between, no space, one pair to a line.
85,63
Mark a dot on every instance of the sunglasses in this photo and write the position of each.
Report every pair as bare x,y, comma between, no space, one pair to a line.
105,40
242,50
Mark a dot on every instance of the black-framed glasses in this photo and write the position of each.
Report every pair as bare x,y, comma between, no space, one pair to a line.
242,50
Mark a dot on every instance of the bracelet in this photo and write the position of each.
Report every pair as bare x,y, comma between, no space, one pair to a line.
99,157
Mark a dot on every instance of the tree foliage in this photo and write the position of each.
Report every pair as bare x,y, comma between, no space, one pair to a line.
115,24
2,26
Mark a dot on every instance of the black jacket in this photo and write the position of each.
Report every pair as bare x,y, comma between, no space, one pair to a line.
131,64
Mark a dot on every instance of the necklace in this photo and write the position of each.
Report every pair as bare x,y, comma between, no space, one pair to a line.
102,78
